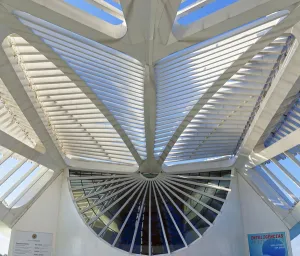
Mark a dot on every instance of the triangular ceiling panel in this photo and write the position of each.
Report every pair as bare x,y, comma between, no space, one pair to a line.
219,127
80,129
183,78
115,78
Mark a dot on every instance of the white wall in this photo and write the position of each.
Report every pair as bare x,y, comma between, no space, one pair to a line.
55,211
42,216
296,245
257,216
5,233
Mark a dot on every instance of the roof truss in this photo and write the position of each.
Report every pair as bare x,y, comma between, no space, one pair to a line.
149,40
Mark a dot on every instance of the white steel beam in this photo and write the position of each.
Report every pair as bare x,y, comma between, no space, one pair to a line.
99,167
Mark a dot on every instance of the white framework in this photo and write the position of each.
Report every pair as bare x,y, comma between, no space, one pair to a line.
94,96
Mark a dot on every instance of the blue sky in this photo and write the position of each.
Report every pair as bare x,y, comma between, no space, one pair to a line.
91,9
200,13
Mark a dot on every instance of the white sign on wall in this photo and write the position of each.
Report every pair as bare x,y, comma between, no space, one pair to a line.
32,244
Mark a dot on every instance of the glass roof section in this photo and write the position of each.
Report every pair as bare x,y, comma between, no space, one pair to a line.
192,10
107,10
20,179
115,78
278,178
219,130
185,77
80,129
168,211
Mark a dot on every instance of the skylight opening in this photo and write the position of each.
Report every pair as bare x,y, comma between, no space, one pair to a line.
193,10
269,189
284,178
21,179
281,174
107,10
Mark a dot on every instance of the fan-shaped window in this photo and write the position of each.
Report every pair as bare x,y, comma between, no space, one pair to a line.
20,179
146,214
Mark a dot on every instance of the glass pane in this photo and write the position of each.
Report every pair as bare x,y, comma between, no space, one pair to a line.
22,187
34,189
157,237
173,237
7,166
284,178
125,239
278,188
204,11
93,10
141,242
267,190
291,167
15,177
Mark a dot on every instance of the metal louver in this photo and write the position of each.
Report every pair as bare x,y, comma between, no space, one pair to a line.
116,78
148,214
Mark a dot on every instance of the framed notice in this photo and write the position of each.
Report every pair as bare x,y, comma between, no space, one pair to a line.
268,244
32,244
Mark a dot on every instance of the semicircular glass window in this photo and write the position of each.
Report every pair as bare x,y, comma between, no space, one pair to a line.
149,215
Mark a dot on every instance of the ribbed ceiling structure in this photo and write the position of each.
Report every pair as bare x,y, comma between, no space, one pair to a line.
93,96
220,125
129,101
191,80
13,122
81,129
116,78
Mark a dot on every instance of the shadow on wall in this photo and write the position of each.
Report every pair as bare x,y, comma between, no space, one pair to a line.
4,239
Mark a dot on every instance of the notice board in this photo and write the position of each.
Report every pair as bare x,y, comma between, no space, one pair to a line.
32,244
268,244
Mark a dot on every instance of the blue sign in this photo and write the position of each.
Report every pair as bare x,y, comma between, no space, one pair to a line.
268,244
